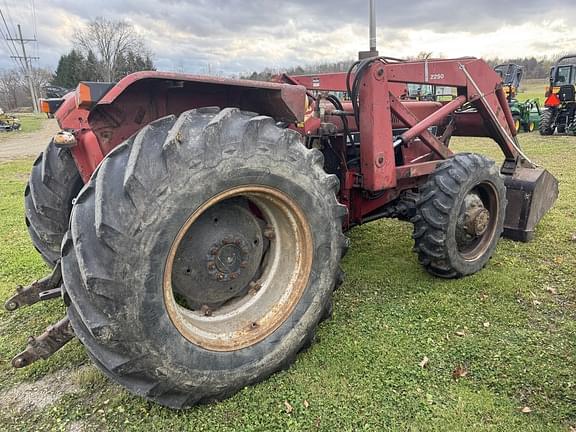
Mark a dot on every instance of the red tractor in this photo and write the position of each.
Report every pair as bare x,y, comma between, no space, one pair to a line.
195,225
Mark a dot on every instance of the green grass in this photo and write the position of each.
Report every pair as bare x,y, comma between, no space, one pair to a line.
532,89
30,122
518,345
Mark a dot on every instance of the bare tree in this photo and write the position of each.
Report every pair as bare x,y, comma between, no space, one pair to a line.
40,79
10,83
110,41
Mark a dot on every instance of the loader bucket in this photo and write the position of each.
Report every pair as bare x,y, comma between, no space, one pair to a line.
531,192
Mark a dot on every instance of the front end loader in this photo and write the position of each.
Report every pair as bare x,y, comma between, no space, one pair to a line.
195,225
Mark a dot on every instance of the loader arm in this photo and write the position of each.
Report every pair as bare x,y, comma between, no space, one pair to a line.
476,83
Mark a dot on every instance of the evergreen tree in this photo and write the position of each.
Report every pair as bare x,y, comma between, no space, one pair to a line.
70,70
92,70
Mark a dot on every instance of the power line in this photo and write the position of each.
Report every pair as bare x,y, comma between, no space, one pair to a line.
28,63
35,27
14,51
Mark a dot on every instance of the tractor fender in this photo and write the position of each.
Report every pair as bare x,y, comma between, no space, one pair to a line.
142,97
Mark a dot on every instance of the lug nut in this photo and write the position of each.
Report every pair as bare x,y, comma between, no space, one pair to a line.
254,287
269,233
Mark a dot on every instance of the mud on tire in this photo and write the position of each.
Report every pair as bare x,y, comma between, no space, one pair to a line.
54,182
123,230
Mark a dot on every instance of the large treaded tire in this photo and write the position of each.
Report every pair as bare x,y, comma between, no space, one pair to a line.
439,208
54,182
546,122
126,218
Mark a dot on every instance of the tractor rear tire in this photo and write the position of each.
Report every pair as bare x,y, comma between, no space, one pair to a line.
158,263
460,216
547,122
54,182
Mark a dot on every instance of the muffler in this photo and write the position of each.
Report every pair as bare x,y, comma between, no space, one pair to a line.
531,192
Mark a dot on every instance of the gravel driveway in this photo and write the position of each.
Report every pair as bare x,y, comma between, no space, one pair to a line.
18,145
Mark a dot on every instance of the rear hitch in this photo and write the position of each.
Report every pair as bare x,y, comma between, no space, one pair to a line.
44,289
43,346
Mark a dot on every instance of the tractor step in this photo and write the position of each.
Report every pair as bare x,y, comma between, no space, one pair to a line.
44,289
43,346
531,192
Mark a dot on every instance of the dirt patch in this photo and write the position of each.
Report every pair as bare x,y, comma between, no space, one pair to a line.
37,395
20,145
77,426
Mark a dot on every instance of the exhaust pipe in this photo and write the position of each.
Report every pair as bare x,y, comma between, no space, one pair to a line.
373,27
373,51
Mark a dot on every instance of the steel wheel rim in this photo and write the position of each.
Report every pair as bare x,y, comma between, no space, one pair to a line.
475,247
285,271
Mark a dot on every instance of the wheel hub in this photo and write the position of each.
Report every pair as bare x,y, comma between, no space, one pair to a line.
473,222
477,221
229,257
219,256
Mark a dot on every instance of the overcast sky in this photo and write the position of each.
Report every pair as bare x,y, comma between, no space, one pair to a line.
239,36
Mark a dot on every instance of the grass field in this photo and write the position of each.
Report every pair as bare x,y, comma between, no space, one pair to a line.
29,122
510,331
533,89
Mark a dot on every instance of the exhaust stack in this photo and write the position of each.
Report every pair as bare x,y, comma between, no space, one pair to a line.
373,51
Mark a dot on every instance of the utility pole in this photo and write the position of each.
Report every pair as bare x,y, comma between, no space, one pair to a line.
28,66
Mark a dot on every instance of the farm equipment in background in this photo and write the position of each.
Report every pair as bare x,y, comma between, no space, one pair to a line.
526,114
54,95
9,123
560,113
195,224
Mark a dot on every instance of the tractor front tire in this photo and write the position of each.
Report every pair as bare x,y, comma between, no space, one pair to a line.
460,216
54,182
546,126
517,124
530,126
202,255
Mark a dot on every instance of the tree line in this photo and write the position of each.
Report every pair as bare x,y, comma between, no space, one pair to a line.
534,68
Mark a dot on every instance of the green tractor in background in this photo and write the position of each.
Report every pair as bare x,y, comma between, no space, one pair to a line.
526,114
560,113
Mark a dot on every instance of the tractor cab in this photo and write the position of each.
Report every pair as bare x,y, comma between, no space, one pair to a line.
562,82
511,75
526,114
